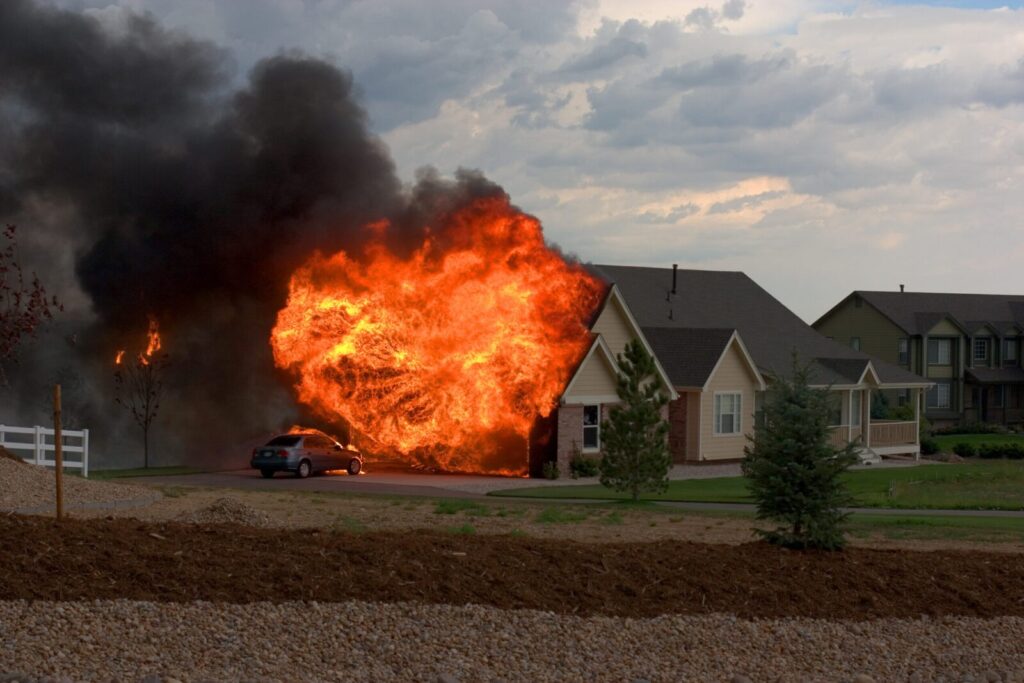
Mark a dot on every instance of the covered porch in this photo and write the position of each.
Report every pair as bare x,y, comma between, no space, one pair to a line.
876,438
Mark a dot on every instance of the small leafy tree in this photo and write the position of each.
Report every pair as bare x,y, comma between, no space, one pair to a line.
24,303
794,470
635,455
139,386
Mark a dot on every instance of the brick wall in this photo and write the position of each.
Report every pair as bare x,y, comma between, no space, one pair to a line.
677,428
570,429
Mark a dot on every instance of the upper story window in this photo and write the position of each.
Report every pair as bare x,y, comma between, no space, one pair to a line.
727,413
855,343
591,428
1010,352
940,352
981,349
903,350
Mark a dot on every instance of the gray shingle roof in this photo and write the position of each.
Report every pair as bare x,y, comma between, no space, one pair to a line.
917,312
722,300
688,355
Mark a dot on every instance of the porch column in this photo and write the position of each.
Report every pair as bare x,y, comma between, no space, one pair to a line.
917,422
849,416
865,422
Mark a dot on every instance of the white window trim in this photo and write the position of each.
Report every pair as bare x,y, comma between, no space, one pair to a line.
974,350
583,430
715,416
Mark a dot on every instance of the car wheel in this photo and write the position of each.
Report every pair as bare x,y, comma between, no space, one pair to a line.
305,469
354,466
267,474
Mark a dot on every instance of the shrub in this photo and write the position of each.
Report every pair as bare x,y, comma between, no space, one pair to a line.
972,428
551,470
990,451
965,450
582,466
929,446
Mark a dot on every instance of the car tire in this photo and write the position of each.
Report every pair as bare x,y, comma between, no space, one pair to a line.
305,469
267,474
354,466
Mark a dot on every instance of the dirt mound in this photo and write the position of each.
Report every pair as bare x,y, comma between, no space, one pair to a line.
127,559
7,455
227,511
24,486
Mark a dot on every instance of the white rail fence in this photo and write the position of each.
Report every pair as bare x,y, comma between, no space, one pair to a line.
39,440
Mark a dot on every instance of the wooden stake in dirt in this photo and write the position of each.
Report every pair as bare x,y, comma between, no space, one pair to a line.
58,452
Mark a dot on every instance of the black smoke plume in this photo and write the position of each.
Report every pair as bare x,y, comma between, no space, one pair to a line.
148,186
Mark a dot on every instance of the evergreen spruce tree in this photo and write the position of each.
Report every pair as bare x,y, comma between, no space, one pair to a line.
794,471
635,455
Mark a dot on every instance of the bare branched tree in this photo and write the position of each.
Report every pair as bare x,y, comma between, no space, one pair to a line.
139,385
24,303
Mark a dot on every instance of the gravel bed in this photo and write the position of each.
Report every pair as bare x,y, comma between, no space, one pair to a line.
129,641
226,511
24,486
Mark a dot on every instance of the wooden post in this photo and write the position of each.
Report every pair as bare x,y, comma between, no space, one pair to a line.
58,452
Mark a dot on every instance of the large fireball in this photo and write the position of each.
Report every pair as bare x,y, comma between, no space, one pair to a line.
446,353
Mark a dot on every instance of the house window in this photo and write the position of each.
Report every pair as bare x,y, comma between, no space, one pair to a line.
939,396
855,343
1010,354
998,398
903,351
727,413
856,406
903,397
591,428
940,351
981,349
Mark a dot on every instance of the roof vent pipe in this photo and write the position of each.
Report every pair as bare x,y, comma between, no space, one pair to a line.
901,289
675,271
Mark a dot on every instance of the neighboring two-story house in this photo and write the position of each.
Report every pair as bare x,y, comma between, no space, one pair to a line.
969,345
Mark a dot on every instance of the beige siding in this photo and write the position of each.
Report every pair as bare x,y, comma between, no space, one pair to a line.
732,374
594,378
878,335
941,371
614,326
944,328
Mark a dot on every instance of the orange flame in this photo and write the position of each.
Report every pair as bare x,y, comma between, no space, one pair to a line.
449,354
153,344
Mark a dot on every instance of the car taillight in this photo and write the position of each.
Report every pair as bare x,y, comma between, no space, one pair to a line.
282,454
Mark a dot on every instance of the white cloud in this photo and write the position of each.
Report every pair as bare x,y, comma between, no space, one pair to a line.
845,145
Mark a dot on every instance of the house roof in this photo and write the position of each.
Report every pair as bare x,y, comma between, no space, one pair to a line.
918,312
688,354
721,300
995,375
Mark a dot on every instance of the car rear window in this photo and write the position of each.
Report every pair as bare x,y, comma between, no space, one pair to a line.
285,441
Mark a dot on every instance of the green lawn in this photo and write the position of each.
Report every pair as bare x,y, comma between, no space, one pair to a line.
142,472
997,485
947,441
899,527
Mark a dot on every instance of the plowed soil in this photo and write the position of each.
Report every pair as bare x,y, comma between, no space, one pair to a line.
78,560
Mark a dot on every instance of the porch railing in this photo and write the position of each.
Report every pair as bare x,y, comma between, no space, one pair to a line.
884,433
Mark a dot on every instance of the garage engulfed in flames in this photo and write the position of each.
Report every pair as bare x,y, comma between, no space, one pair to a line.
445,354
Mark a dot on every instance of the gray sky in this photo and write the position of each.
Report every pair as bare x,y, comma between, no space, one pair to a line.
819,146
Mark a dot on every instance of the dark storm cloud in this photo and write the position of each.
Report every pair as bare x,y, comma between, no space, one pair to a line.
188,199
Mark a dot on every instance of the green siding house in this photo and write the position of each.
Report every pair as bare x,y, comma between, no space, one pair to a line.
969,345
